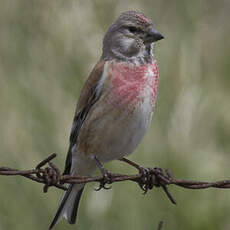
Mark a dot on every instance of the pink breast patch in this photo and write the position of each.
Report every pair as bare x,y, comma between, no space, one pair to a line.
155,83
132,84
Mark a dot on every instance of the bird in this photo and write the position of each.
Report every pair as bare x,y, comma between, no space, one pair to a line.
115,106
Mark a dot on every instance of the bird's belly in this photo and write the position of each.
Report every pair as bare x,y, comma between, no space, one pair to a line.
125,138
120,131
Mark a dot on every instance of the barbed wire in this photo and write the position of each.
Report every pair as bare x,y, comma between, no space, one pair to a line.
160,225
47,173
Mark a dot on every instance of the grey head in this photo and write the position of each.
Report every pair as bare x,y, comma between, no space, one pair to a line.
130,38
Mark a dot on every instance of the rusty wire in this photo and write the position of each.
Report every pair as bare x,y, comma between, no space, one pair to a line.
156,177
160,225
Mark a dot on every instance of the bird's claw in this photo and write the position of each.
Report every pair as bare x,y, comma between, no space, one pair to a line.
152,177
106,179
145,181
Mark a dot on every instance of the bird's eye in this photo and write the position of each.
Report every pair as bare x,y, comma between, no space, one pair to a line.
132,29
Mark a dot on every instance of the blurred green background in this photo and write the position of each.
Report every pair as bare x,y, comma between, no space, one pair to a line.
48,48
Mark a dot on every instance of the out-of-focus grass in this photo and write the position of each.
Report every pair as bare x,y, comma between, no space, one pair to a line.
47,49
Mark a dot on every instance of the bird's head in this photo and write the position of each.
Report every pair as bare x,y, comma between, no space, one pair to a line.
130,36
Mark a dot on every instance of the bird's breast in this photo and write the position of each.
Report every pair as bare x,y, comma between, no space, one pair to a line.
132,86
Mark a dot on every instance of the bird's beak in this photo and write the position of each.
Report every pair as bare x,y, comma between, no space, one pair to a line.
152,36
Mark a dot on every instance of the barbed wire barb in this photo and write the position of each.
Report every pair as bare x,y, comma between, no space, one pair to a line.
160,225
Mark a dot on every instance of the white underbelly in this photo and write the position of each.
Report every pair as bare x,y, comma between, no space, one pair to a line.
126,137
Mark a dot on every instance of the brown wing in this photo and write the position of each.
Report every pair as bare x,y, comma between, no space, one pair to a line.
90,85
89,95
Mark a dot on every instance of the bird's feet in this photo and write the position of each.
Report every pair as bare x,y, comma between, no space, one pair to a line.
106,175
149,177
145,180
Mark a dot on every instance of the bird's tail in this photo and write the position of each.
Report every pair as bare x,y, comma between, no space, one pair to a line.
69,204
